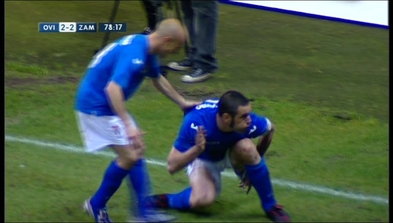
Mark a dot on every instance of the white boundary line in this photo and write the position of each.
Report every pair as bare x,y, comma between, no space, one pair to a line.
278,182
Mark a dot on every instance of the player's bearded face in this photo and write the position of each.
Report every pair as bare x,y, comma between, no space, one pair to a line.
242,119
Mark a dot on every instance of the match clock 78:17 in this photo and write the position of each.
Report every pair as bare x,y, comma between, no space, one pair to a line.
112,27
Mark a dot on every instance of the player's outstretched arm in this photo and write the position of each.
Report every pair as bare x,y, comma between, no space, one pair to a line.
166,88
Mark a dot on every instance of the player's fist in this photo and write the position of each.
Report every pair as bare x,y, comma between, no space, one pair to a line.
200,138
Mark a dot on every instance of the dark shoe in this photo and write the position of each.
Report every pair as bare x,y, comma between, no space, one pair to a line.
196,75
180,65
277,214
157,201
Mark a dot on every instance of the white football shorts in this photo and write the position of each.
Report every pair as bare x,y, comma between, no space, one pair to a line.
98,132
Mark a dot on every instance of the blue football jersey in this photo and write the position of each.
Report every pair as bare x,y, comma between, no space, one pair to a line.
217,142
125,61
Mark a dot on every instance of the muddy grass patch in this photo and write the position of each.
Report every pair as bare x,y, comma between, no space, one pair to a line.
199,94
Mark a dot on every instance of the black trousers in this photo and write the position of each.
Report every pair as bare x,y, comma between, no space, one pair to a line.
153,12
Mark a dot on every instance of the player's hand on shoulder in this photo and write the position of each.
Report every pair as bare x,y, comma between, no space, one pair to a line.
187,104
200,138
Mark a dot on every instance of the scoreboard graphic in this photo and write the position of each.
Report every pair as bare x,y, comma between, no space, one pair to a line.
80,27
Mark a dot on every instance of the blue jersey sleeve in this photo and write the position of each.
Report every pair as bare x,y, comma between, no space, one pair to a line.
259,126
129,64
186,137
154,70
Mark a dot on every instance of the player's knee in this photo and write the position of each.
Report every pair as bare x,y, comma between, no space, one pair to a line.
245,146
246,152
199,200
128,159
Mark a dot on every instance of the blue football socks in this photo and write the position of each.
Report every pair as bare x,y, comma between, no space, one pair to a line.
260,179
181,200
140,181
112,180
